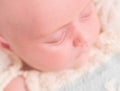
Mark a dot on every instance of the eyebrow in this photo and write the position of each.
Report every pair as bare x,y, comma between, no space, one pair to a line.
50,33
65,25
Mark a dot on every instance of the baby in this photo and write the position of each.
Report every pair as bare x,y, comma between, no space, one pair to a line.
48,35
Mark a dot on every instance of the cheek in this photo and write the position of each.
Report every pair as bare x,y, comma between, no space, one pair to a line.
95,25
91,28
93,33
46,58
55,56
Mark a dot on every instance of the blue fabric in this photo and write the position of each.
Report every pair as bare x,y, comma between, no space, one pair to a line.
95,81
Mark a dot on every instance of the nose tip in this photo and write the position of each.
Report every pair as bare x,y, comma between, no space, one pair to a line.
78,37
77,42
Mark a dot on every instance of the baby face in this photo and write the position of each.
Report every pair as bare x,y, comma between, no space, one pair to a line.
52,35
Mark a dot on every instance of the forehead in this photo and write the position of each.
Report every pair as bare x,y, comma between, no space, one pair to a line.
52,14
45,16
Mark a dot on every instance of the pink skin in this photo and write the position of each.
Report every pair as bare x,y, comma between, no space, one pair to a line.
51,35
17,84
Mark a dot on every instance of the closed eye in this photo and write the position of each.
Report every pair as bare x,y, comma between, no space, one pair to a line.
86,12
57,37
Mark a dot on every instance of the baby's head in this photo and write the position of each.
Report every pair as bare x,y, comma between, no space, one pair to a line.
49,35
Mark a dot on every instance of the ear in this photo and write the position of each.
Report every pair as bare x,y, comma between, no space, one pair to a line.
4,44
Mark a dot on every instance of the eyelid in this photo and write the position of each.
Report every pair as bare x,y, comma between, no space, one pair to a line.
86,11
62,29
61,37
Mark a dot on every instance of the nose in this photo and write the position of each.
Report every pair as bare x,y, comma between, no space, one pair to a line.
78,36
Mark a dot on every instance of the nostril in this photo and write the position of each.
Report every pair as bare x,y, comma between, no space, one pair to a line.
4,45
79,41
